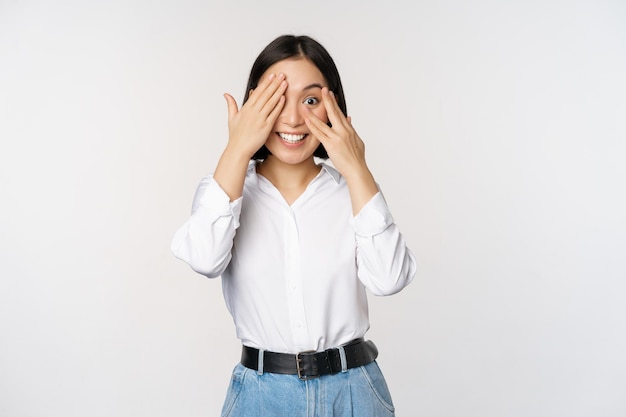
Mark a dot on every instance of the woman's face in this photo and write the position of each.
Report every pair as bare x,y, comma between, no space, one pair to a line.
290,140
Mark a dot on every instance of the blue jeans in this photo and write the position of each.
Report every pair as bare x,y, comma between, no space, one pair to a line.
358,392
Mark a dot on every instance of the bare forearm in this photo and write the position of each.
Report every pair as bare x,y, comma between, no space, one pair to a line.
230,172
362,187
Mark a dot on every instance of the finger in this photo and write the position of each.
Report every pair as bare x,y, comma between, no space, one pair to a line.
268,95
335,115
270,105
253,93
316,126
275,112
232,106
266,89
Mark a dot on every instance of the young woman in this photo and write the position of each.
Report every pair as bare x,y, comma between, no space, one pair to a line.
297,242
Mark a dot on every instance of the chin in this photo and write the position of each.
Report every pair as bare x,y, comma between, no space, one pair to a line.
291,156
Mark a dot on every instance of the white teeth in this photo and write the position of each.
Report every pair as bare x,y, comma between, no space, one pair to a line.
291,138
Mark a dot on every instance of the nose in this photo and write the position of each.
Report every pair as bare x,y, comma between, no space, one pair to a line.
291,115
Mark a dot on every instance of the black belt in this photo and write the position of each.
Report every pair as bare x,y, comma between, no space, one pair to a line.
308,365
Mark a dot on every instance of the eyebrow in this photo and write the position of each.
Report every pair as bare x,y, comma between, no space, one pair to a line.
310,86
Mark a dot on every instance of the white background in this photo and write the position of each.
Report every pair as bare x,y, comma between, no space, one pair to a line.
497,131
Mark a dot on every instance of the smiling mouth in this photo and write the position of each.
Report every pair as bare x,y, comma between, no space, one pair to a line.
289,138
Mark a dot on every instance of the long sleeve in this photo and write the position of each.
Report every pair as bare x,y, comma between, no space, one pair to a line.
385,264
205,240
295,276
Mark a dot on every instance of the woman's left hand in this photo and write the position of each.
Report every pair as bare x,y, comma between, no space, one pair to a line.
345,149
344,146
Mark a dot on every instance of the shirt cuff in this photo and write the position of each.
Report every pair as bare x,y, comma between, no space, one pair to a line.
212,198
374,218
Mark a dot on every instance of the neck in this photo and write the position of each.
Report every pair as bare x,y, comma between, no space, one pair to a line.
288,176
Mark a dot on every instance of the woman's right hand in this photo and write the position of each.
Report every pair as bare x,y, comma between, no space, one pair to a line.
249,128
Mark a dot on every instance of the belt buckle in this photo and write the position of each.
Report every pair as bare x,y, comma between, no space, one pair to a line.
300,370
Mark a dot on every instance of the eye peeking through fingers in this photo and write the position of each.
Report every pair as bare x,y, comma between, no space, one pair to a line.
311,101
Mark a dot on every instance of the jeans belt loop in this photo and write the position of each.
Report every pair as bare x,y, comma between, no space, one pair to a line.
260,363
342,356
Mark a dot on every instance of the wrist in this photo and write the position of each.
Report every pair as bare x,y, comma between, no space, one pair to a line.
235,154
359,175
362,187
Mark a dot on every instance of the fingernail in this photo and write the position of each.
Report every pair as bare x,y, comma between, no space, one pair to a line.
271,77
331,94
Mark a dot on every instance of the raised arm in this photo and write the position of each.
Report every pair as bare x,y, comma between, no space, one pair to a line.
248,129
345,149
385,264
205,240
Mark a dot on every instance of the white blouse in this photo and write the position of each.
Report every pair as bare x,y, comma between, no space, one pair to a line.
294,277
